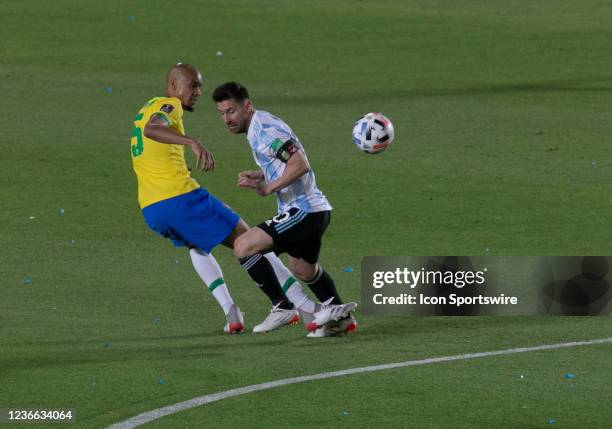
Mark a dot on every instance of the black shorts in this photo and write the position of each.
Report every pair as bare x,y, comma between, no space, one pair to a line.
298,233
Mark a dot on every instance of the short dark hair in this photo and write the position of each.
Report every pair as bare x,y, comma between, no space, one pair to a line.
230,90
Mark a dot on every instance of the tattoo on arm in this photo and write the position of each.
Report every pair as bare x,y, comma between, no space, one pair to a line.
158,119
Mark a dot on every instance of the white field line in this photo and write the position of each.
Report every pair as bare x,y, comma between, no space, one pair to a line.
206,399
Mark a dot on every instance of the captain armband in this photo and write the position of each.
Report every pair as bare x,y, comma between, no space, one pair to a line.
287,150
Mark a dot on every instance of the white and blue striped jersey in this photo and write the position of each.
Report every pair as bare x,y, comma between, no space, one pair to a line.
266,135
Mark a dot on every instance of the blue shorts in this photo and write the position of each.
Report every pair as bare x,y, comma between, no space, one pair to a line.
194,219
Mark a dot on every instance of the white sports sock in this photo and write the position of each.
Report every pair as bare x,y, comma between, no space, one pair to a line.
209,270
293,289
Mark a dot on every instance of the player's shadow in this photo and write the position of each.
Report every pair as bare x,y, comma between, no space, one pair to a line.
74,342
48,355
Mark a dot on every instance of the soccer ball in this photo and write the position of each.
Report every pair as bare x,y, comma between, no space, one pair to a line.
373,133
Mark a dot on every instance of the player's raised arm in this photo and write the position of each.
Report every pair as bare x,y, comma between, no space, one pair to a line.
158,129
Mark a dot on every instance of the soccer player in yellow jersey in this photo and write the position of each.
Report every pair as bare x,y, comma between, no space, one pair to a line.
176,207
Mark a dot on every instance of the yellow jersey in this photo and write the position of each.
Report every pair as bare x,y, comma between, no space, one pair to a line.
160,168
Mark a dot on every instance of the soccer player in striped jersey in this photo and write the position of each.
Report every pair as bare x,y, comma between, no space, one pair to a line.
176,207
303,210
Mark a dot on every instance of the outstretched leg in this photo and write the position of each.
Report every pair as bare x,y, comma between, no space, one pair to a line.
210,272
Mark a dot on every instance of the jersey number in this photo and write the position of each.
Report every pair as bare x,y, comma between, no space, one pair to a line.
137,134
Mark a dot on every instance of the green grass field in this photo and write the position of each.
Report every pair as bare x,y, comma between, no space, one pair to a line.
502,116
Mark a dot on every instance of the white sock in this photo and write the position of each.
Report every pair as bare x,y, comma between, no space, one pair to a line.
209,270
293,289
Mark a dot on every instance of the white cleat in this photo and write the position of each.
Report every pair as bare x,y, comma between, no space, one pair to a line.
338,328
277,318
329,313
235,321
308,317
